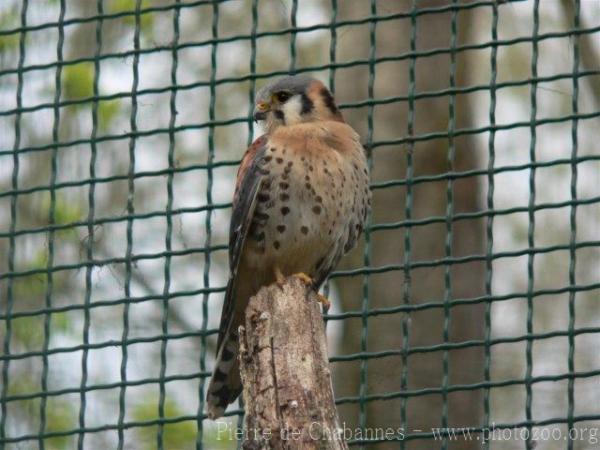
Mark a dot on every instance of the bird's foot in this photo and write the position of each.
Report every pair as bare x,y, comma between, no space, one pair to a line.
279,278
324,301
304,278
308,281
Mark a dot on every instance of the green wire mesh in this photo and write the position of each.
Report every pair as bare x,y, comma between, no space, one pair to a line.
122,124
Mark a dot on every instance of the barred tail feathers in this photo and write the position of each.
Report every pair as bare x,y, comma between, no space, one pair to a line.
225,384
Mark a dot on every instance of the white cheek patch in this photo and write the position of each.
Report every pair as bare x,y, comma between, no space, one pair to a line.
292,110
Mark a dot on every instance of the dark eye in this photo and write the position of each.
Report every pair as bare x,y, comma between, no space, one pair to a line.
282,96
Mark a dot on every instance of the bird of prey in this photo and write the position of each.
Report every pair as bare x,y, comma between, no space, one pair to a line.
301,201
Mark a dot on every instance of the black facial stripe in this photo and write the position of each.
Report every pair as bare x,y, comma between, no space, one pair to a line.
328,100
307,104
279,114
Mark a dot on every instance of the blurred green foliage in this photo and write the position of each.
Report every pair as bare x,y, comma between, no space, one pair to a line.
35,284
214,439
66,211
61,322
28,331
177,436
108,111
60,416
78,81
146,19
8,19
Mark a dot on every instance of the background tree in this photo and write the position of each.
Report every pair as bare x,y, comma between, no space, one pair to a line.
428,242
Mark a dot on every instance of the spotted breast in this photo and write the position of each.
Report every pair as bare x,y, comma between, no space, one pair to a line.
312,202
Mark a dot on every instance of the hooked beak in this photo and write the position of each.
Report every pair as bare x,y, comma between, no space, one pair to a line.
260,112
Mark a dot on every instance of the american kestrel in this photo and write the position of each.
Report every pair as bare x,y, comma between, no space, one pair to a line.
301,201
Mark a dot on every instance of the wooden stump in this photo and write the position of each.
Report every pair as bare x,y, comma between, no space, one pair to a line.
285,371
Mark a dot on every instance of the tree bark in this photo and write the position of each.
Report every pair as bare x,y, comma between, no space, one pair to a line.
285,372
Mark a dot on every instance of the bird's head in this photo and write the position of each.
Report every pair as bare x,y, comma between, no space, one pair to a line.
292,100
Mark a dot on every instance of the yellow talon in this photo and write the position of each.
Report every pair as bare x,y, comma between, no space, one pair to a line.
304,278
325,302
279,278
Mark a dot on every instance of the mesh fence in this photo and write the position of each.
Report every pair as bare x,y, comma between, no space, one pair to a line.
471,301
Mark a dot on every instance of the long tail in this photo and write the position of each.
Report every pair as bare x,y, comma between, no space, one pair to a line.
225,384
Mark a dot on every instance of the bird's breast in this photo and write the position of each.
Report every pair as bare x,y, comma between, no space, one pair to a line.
303,209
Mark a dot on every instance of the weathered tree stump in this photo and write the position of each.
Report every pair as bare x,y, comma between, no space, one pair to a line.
285,371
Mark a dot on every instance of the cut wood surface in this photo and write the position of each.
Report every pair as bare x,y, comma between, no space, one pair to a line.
285,371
